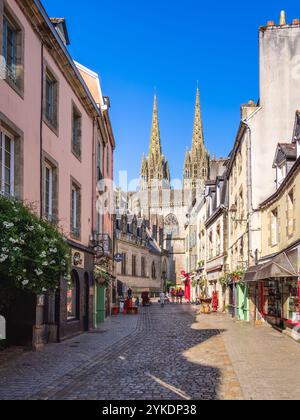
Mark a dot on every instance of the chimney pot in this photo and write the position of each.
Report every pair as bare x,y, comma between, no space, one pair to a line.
282,18
296,21
271,23
251,103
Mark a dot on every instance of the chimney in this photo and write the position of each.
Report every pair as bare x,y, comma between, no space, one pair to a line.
282,18
296,21
247,109
271,23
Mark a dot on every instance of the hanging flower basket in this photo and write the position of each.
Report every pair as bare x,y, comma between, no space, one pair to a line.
102,277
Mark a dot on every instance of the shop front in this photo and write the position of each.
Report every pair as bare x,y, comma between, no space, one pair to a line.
74,303
277,283
242,302
215,288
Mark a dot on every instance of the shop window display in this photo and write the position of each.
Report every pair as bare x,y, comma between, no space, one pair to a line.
293,303
273,299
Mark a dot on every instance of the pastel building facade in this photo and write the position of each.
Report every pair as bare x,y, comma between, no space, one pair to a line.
49,122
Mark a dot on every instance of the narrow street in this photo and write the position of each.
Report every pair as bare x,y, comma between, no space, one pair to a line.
161,354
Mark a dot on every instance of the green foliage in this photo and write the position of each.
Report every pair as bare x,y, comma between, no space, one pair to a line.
33,254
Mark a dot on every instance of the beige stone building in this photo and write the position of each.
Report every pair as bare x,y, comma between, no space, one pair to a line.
276,277
143,266
216,228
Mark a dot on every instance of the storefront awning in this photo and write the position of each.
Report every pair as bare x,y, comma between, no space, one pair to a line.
282,266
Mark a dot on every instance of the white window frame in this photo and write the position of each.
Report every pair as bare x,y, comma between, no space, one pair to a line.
50,203
3,134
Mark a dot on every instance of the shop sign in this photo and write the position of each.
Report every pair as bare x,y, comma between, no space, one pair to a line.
77,259
119,258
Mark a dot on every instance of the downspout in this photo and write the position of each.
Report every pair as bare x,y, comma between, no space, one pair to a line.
41,130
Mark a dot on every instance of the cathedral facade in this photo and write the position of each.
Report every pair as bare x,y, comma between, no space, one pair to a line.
172,203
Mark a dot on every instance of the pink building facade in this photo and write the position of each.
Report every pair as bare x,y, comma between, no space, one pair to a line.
55,135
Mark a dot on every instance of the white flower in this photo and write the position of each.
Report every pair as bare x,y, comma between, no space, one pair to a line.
44,290
38,272
53,262
24,271
3,257
13,241
25,282
8,225
4,250
43,254
45,264
30,228
53,250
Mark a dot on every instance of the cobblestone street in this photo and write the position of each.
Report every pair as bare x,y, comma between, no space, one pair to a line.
162,354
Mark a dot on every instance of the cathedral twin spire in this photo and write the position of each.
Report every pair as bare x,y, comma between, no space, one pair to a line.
155,171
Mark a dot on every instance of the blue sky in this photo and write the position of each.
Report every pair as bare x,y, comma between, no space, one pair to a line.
139,45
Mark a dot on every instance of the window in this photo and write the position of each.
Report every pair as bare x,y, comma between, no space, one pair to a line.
48,191
211,245
75,210
72,298
51,100
290,213
274,227
6,164
12,51
143,267
124,265
99,161
218,240
107,161
76,132
153,271
134,266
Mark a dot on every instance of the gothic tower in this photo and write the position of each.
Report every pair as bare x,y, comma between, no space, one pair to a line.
155,173
196,164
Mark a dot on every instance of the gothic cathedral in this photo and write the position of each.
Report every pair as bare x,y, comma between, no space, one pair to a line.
156,197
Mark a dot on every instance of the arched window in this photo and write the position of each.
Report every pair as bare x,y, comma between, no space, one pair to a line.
153,271
73,297
171,225
143,267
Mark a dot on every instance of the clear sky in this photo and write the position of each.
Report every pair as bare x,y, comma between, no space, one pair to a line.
139,45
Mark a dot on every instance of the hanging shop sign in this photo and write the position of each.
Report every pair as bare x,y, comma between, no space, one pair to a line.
119,258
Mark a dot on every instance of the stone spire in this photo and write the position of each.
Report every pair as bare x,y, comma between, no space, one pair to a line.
196,165
198,137
155,172
155,151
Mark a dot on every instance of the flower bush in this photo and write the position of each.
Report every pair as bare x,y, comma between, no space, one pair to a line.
33,254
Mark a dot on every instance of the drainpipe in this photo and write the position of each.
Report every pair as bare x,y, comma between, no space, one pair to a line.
41,130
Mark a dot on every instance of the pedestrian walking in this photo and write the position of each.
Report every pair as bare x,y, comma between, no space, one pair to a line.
180,295
162,299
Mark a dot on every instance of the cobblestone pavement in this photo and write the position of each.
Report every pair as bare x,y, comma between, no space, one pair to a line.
158,355
165,353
